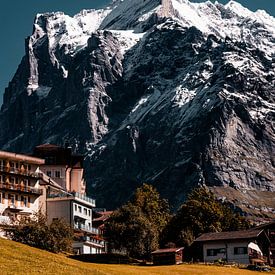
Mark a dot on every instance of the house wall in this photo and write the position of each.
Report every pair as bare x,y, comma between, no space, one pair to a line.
20,190
59,209
86,248
56,172
70,210
69,178
77,180
228,251
84,212
26,203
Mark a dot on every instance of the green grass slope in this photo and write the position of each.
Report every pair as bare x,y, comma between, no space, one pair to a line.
16,258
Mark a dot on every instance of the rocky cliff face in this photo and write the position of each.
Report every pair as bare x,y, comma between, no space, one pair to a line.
171,93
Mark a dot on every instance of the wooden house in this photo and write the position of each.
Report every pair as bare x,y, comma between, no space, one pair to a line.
168,256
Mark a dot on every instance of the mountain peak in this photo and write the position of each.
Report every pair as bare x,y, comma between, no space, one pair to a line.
174,93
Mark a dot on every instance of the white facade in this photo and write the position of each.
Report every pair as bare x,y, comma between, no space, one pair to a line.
76,209
230,251
88,246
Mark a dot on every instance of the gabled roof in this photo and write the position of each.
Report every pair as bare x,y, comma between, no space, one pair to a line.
168,250
230,235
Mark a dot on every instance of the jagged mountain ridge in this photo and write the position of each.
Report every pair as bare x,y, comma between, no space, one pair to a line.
173,93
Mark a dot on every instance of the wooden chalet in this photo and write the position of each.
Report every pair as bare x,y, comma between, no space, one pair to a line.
168,256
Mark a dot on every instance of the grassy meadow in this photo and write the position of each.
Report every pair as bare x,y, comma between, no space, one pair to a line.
16,258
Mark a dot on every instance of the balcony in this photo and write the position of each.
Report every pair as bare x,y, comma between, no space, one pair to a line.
86,228
22,172
93,241
5,220
21,189
84,198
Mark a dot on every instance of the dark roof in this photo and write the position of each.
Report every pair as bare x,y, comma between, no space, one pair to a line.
265,225
232,235
168,250
56,155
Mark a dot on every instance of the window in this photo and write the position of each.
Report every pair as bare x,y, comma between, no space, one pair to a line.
240,250
25,201
16,165
49,173
215,252
57,174
22,201
75,207
12,180
79,209
12,199
50,160
26,182
89,212
29,167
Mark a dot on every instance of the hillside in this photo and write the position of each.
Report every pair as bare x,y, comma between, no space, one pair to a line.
172,93
20,259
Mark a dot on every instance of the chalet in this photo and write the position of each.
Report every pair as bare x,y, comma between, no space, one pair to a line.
168,256
245,247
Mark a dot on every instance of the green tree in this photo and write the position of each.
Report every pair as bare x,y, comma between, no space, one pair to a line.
135,227
201,213
55,237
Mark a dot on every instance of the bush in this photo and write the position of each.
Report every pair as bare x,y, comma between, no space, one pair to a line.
55,237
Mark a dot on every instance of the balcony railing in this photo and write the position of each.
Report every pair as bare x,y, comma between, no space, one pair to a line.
100,243
18,171
20,188
86,228
4,220
84,198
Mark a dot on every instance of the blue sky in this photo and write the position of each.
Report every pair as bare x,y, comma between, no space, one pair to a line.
16,19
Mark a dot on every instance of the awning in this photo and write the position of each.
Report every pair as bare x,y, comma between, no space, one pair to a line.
255,247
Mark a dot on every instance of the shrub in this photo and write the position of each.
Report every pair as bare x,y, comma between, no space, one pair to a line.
55,237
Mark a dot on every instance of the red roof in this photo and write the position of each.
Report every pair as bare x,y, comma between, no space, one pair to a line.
168,250
104,217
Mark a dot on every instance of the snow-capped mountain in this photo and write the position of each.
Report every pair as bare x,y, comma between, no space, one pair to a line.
169,92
